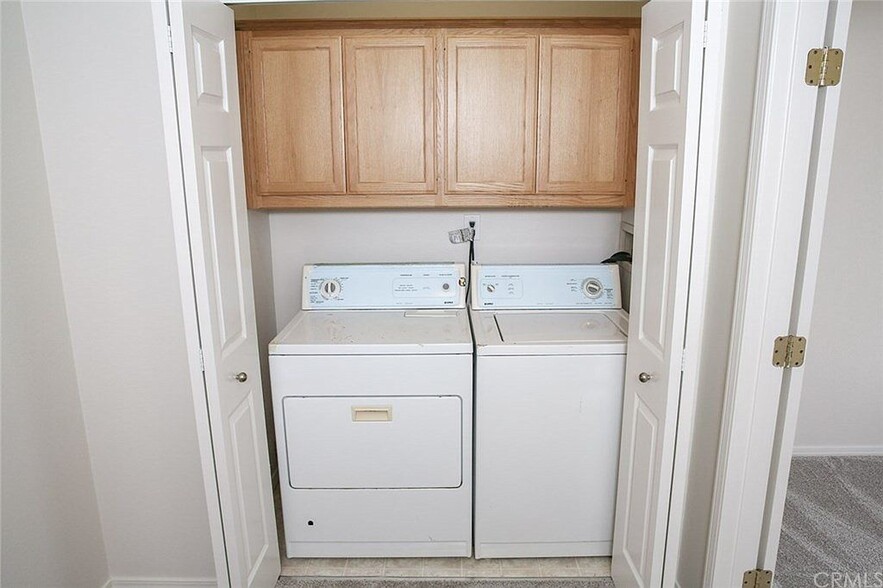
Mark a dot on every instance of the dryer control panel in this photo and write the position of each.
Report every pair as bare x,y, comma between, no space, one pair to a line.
384,286
594,286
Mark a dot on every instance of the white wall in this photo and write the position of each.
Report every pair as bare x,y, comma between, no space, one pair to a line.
51,533
507,236
841,410
96,82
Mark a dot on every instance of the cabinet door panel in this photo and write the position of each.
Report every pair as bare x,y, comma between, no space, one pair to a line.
492,85
585,107
298,115
390,114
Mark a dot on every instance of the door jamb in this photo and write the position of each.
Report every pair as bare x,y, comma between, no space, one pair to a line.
180,223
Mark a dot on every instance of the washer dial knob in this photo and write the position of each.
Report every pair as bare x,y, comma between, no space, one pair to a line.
592,288
330,289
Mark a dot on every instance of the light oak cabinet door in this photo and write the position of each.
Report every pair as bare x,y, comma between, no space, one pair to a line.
390,93
492,109
585,117
297,113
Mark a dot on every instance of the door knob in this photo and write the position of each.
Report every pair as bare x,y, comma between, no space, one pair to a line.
241,377
644,377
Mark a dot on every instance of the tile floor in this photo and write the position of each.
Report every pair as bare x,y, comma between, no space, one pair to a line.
450,567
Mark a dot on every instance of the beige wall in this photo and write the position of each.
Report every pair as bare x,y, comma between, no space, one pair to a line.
842,404
96,83
51,533
439,9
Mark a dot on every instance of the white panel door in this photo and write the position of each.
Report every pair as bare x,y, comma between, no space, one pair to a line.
668,135
214,183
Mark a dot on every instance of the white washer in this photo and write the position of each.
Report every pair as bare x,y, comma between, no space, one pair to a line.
550,366
372,397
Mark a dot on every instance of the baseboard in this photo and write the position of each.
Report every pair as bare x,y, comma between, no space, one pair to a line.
807,450
159,582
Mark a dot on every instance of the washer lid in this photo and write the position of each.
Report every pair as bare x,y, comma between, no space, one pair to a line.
558,327
375,333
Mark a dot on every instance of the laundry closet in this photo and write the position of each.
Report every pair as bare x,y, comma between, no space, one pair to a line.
366,142
417,213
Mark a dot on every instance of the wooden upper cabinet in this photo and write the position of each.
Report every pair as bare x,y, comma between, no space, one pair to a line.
390,88
297,114
586,110
396,114
492,109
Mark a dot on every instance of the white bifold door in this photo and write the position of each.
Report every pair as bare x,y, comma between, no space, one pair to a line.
204,58
668,123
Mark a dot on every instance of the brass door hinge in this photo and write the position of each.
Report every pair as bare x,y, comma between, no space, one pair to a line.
823,66
789,351
757,579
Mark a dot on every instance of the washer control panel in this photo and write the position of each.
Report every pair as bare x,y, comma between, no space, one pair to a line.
384,286
546,286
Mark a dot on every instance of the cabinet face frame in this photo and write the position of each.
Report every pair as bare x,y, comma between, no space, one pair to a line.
549,133
331,44
491,40
428,42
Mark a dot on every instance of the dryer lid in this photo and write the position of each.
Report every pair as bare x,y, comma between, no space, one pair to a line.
558,327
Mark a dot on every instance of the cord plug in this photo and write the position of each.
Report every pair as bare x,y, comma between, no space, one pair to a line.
464,235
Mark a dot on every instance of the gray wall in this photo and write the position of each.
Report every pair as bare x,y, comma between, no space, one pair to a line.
51,533
96,84
842,404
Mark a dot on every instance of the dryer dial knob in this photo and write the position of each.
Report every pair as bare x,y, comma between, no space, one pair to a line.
592,288
330,289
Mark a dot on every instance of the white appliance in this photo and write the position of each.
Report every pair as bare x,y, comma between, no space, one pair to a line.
550,365
372,398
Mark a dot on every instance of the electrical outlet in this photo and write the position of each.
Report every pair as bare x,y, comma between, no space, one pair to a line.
474,218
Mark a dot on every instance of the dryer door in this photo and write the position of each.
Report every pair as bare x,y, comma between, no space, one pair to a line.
336,442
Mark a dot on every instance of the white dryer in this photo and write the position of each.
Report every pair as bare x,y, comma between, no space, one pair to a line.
550,366
372,398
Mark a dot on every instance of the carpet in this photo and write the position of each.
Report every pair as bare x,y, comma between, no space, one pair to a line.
832,532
